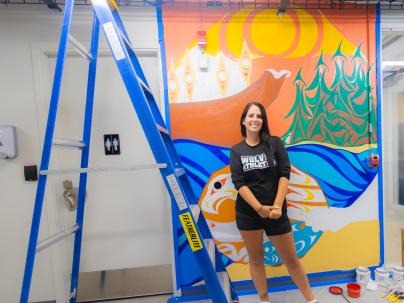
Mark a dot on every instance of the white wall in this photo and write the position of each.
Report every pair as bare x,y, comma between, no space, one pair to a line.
24,30
393,213
26,36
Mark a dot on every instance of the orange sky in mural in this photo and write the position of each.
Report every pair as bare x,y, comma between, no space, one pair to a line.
222,129
181,27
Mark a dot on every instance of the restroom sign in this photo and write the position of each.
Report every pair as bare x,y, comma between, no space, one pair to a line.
112,145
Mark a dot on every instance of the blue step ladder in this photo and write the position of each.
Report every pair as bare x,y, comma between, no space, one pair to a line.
184,201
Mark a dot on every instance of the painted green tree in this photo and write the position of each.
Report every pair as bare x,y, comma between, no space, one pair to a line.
343,112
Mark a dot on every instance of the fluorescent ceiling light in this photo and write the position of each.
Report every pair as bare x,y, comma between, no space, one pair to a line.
392,63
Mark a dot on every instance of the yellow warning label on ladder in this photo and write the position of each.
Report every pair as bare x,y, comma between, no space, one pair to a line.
190,231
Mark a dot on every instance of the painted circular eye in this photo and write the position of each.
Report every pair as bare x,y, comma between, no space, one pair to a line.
217,185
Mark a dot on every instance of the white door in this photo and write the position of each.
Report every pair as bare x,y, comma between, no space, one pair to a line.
127,214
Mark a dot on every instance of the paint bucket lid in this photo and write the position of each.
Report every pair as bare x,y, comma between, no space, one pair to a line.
381,270
362,269
398,269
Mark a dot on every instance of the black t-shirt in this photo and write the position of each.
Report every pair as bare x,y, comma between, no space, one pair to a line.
259,168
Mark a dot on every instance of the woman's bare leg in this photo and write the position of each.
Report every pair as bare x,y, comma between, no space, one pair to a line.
285,246
253,240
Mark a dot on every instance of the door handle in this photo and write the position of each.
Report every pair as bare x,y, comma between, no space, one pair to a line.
70,195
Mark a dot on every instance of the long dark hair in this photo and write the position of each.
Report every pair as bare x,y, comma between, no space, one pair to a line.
265,134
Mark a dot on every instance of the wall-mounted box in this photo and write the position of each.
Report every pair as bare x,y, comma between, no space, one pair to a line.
8,142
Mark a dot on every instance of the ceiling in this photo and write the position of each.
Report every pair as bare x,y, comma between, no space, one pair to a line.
392,41
237,4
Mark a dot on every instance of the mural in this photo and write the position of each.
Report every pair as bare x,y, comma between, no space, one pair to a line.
314,72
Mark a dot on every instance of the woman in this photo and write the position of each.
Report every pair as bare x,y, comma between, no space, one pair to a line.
260,171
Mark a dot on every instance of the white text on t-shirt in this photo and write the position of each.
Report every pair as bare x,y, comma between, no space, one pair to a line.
254,162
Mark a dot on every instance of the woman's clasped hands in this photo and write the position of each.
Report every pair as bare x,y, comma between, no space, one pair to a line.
270,211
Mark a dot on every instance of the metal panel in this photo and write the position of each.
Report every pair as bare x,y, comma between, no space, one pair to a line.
124,283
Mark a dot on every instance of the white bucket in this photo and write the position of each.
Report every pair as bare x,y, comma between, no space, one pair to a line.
382,276
398,273
362,275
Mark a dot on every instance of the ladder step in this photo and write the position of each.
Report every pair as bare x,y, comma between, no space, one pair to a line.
130,48
101,169
211,248
56,238
144,85
80,48
196,210
69,143
125,40
163,129
179,172
72,294
226,285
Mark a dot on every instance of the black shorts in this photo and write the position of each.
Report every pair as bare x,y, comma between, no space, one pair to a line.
272,227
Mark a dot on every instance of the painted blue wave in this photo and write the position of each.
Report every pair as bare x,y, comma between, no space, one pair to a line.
342,175
200,161
304,238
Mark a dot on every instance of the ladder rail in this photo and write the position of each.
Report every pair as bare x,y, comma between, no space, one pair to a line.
46,152
133,87
220,266
87,170
155,139
182,176
160,121
136,64
160,142
138,69
135,61
88,115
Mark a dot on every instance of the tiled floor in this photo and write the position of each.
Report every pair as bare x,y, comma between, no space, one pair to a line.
292,296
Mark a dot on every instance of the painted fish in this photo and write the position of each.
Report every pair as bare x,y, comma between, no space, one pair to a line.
217,203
